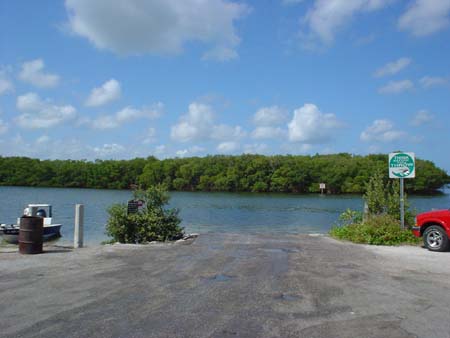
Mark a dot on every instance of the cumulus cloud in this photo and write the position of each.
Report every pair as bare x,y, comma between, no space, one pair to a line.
38,113
381,131
125,115
397,87
5,85
33,72
3,127
151,136
328,16
425,17
223,132
228,147
432,81
108,92
266,120
199,125
265,132
256,148
195,125
108,150
160,150
43,139
190,151
393,67
268,116
157,26
310,126
422,117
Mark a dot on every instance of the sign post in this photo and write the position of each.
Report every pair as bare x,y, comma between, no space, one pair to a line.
322,187
401,166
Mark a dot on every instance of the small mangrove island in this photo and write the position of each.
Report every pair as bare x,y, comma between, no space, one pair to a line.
342,173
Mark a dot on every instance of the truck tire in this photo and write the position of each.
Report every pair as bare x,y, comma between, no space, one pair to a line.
435,238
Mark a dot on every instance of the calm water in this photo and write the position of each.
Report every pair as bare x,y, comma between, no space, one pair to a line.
201,212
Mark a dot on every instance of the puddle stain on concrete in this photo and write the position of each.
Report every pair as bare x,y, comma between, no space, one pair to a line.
218,278
288,297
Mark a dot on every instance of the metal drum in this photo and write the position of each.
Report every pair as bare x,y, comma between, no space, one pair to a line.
30,235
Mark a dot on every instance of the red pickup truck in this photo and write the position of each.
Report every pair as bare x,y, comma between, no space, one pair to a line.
434,227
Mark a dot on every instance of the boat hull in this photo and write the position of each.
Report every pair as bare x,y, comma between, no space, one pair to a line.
11,235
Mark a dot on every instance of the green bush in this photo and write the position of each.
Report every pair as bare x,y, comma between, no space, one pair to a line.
382,224
377,230
152,223
383,197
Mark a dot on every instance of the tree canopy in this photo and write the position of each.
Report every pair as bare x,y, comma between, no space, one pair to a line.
342,173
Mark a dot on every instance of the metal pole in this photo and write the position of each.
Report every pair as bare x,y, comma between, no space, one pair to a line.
402,203
79,224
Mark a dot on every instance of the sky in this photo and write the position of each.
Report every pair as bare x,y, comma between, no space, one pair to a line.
118,79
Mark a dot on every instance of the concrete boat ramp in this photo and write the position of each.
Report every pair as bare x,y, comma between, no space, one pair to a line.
227,285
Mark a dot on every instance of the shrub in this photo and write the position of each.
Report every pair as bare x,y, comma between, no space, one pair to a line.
152,223
383,197
380,229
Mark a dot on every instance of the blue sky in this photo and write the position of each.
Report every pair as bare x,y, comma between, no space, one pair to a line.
119,79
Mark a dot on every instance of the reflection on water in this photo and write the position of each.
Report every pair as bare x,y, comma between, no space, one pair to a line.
201,212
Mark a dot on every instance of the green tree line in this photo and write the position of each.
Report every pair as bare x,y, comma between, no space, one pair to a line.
342,173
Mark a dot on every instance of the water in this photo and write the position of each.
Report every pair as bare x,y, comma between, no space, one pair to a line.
200,212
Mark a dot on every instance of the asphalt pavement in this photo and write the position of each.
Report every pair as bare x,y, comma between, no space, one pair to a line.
227,285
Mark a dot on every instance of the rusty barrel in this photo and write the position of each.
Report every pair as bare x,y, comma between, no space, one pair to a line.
30,235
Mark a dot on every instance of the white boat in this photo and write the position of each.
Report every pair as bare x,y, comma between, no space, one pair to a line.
10,232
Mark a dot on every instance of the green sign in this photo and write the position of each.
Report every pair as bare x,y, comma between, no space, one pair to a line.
402,165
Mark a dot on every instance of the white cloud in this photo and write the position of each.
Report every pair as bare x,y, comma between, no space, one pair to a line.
228,147
310,126
268,116
266,119
256,148
150,137
125,115
33,72
108,92
381,131
37,113
160,150
195,125
291,148
432,81
198,125
223,132
190,151
393,67
425,17
327,17
151,112
43,139
265,132
422,117
102,122
397,87
6,86
157,26
3,127
108,150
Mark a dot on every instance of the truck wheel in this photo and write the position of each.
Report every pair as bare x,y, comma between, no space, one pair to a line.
435,238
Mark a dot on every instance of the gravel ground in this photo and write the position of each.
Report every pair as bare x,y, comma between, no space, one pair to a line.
227,285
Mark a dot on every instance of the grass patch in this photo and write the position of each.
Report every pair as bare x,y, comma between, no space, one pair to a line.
378,230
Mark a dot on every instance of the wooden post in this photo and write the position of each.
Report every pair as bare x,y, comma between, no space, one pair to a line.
79,223
365,212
